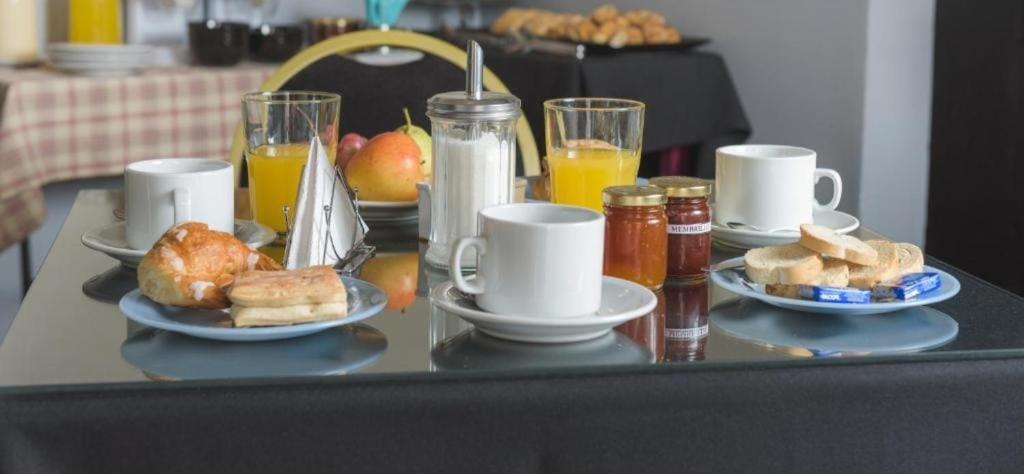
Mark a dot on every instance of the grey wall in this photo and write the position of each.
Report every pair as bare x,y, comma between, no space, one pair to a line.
850,79
897,117
798,65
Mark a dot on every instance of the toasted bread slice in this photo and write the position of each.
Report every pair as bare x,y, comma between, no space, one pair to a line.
244,316
887,267
275,289
825,241
910,257
836,273
783,264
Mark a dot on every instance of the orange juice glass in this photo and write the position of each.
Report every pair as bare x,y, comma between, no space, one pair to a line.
592,143
278,129
94,21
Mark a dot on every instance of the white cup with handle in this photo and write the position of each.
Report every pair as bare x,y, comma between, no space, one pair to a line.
770,187
159,194
539,260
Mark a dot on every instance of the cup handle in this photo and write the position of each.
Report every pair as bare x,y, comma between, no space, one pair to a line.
837,186
182,205
455,265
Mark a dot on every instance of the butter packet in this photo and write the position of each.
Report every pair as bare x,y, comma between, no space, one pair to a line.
907,287
827,294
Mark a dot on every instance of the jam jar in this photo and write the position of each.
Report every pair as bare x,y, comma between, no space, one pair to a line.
635,234
689,225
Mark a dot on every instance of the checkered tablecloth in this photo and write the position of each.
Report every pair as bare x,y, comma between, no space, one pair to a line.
56,127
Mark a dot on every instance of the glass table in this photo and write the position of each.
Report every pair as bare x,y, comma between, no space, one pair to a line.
66,349
62,336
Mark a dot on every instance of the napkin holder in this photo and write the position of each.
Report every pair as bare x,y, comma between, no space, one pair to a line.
325,227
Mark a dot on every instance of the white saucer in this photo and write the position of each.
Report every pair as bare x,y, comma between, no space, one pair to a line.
110,239
840,222
621,301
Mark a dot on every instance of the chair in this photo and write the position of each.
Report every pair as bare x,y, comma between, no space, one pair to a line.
321,66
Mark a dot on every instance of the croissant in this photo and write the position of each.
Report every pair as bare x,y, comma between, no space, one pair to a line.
191,266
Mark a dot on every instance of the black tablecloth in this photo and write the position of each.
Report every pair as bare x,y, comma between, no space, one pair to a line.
933,417
935,412
690,97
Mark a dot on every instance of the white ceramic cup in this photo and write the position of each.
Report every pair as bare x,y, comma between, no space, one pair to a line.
161,193
770,187
540,260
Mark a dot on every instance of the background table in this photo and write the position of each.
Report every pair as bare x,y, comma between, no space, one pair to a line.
56,127
690,97
72,403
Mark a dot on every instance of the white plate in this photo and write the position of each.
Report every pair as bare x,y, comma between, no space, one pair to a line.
621,301
726,276
381,205
364,300
389,211
840,222
110,239
100,49
93,70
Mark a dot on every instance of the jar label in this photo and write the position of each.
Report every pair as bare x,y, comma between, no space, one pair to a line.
687,229
686,334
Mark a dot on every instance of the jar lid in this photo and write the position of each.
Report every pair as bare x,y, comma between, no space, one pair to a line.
682,186
634,196
460,105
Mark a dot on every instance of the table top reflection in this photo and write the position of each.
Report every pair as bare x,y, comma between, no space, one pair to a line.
61,336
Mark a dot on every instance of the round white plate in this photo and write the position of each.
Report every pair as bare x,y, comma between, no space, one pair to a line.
98,58
840,222
364,300
621,301
379,205
337,351
99,49
389,211
97,71
727,277
909,330
110,239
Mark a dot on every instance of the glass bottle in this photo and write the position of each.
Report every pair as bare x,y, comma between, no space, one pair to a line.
636,235
474,148
689,225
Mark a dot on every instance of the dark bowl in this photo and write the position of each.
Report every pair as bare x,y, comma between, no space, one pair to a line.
215,43
275,43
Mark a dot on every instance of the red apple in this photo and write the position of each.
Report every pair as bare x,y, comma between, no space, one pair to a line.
347,148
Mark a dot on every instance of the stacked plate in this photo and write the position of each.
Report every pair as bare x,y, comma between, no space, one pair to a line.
389,212
99,59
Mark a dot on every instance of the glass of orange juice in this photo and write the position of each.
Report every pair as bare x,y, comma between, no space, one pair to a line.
592,143
279,127
94,21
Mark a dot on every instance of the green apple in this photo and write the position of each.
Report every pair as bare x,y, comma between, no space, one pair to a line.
422,139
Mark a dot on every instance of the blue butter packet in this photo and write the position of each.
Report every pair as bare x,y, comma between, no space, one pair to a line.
908,286
827,294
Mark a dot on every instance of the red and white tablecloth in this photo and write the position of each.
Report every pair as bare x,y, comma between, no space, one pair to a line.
56,127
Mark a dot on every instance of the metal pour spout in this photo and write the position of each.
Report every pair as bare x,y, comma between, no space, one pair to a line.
474,70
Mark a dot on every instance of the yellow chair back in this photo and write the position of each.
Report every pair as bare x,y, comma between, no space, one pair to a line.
361,40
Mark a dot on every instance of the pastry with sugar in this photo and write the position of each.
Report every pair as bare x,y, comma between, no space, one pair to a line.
191,266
